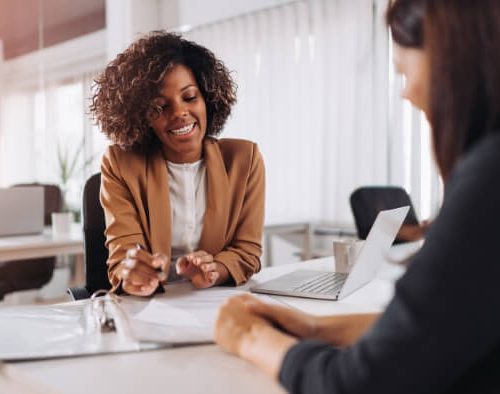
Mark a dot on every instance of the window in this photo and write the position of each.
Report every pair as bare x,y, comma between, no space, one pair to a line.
41,128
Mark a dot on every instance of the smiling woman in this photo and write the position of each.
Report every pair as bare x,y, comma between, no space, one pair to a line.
170,190
179,116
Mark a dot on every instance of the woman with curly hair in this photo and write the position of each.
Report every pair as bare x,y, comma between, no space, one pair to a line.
171,191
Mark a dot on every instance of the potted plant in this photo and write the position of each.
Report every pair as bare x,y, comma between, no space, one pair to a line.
68,167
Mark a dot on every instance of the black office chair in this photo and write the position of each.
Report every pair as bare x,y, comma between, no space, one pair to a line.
366,202
95,251
32,273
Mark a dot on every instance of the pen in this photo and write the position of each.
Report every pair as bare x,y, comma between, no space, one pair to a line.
159,269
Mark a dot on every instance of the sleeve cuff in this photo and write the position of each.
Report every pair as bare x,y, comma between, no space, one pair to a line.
292,368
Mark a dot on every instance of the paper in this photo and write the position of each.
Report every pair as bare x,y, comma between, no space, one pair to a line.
182,315
160,313
47,331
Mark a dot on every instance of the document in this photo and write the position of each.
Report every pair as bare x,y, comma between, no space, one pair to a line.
182,315
158,312
64,330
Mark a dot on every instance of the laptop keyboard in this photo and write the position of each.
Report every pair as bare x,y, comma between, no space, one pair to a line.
328,283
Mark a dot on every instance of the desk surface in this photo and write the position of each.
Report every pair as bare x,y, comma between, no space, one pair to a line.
41,245
199,369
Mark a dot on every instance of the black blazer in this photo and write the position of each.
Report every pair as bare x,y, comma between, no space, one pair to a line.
441,331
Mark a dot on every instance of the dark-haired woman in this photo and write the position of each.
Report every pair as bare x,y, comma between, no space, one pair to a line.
170,190
441,331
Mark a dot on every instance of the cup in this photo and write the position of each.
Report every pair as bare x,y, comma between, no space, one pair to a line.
345,252
61,223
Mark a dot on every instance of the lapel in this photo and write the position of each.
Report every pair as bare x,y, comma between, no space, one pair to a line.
215,221
158,203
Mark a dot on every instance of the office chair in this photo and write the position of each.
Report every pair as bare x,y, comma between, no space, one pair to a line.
366,202
95,251
32,273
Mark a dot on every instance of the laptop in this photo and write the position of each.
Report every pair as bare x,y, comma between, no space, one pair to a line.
21,210
335,285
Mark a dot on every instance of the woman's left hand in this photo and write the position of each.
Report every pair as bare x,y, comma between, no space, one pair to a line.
252,337
235,322
201,269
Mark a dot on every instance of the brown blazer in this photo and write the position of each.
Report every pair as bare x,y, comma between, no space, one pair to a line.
135,198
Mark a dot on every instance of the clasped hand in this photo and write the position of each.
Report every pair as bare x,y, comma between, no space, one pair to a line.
240,315
259,332
142,272
262,333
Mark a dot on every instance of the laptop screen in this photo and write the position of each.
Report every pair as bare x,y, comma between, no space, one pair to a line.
21,210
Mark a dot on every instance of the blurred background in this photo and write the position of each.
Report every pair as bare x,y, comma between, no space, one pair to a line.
316,90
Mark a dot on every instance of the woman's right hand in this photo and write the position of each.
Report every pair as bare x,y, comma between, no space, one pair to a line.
241,332
139,271
339,330
292,321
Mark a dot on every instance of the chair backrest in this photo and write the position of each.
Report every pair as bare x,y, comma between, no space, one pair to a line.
95,251
367,201
32,273
53,199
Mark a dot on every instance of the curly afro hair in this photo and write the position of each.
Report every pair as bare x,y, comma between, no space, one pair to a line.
128,85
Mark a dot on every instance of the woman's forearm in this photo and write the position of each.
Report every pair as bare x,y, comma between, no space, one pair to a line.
266,347
343,330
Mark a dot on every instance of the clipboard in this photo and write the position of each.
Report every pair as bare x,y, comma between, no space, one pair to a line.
107,323
95,326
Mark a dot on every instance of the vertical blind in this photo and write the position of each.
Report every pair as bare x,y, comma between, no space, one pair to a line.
36,124
316,91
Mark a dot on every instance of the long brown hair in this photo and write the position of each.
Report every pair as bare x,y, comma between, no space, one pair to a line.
462,38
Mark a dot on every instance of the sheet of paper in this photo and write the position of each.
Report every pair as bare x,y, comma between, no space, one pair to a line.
181,315
161,313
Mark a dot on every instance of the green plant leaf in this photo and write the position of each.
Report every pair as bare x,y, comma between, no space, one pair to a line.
75,159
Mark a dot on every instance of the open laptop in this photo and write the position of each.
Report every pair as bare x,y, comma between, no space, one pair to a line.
334,285
21,210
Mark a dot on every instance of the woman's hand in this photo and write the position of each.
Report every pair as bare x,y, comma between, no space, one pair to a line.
241,332
201,269
139,271
413,232
234,321
339,330
292,321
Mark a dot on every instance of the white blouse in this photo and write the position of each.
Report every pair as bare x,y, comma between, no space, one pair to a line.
187,187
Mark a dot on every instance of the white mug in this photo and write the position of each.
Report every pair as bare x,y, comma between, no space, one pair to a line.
61,223
345,252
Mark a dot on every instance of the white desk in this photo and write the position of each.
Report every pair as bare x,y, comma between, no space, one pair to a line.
197,369
45,245
41,245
